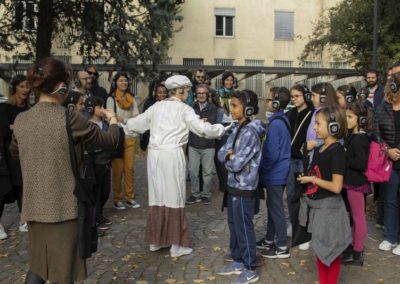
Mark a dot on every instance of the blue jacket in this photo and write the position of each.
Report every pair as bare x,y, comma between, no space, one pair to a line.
275,160
243,168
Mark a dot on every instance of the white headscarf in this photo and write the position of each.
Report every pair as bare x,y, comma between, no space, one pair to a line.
177,81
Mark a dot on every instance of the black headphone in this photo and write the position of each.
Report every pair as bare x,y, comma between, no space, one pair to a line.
349,97
62,89
275,102
362,94
114,80
333,125
89,107
77,81
70,105
362,118
248,108
306,93
394,85
322,95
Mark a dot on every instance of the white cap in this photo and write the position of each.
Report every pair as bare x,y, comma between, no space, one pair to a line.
177,81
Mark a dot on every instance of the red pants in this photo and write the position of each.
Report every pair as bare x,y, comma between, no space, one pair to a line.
329,274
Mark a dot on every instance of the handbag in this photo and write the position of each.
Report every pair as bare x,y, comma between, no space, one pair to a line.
379,166
87,228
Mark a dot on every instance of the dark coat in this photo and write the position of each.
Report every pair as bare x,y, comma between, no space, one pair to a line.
210,113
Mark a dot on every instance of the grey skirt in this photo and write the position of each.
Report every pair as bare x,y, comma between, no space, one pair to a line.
54,253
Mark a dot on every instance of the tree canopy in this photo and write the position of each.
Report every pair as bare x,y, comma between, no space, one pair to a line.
347,31
135,33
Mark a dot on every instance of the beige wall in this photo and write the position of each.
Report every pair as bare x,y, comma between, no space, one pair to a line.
254,30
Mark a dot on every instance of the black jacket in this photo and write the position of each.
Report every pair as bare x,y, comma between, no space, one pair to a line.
295,119
210,113
378,96
357,149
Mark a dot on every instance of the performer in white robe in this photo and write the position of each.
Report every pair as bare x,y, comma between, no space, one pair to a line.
169,122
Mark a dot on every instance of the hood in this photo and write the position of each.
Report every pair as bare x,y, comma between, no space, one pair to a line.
258,127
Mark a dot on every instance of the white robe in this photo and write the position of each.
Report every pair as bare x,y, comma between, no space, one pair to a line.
169,122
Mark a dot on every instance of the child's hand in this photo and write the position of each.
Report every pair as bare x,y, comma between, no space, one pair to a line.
304,179
108,113
230,154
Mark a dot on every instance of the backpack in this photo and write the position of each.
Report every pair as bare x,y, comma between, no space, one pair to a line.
379,166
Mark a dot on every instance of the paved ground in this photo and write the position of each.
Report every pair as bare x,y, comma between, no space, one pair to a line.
123,257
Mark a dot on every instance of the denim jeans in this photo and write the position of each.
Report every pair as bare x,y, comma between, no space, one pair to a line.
276,225
241,228
296,166
205,158
391,207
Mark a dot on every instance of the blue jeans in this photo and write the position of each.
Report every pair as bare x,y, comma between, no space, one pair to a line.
205,158
242,236
276,225
296,166
391,207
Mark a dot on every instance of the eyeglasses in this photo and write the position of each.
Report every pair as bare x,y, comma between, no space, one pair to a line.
200,77
93,73
202,93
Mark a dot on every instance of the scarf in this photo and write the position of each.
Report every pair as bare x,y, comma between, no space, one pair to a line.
123,102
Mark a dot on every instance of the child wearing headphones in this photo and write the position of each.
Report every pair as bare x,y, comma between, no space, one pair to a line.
241,155
346,95
322,209
274,171
98,161
355,181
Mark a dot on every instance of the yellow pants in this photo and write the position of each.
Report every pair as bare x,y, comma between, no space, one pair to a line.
124,166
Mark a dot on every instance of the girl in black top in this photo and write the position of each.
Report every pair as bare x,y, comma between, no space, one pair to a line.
327,217
355,182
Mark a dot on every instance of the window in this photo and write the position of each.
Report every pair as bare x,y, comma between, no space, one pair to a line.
284,25
24,15
193,61
93,17
224,22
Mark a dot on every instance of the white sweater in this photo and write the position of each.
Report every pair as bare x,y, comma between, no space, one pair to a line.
125,114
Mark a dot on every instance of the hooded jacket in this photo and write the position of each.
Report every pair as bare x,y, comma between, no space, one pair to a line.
243,167
276,153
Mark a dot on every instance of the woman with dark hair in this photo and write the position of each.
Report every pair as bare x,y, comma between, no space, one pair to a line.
18,101
122,101
41,141
346,95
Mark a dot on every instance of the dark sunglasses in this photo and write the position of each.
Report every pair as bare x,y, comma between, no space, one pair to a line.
93,73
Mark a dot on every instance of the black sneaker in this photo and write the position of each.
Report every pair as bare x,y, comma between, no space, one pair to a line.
192,200
356,258
277,253
205,200
262,244
105,221
268,250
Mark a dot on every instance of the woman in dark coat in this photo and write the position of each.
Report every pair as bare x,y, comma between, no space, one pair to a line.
17,102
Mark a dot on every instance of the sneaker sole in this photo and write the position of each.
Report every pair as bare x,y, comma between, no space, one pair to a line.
179,255
158,248
133,206
253,280
120,208
236,272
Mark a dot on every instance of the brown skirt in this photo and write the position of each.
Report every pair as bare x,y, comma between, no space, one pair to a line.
54,253
167,226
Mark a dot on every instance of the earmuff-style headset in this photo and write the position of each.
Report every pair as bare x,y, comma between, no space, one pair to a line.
61,89
333,125
362,118
248,108
322,95
70,105
362,94
275,102
306,93
11,88
77,81
349,98
89,106
114,80
394,84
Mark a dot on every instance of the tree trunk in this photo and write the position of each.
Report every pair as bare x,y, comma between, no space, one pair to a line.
44,29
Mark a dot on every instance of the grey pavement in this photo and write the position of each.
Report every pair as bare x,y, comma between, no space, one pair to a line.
123,257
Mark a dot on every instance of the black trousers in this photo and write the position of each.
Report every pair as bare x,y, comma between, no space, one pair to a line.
15,193
102,187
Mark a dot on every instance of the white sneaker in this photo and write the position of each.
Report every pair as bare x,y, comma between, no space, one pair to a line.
386,246
156,247
289,230
396,250
304,246
3,234
23,227
177,251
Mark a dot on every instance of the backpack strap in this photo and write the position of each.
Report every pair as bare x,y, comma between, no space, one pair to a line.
284,121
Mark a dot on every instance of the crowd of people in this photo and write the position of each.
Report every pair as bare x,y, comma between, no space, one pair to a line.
81,141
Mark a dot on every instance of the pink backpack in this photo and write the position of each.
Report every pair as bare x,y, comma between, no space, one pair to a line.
379,166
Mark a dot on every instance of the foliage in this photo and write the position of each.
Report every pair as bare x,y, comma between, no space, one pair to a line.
131,32
347,31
